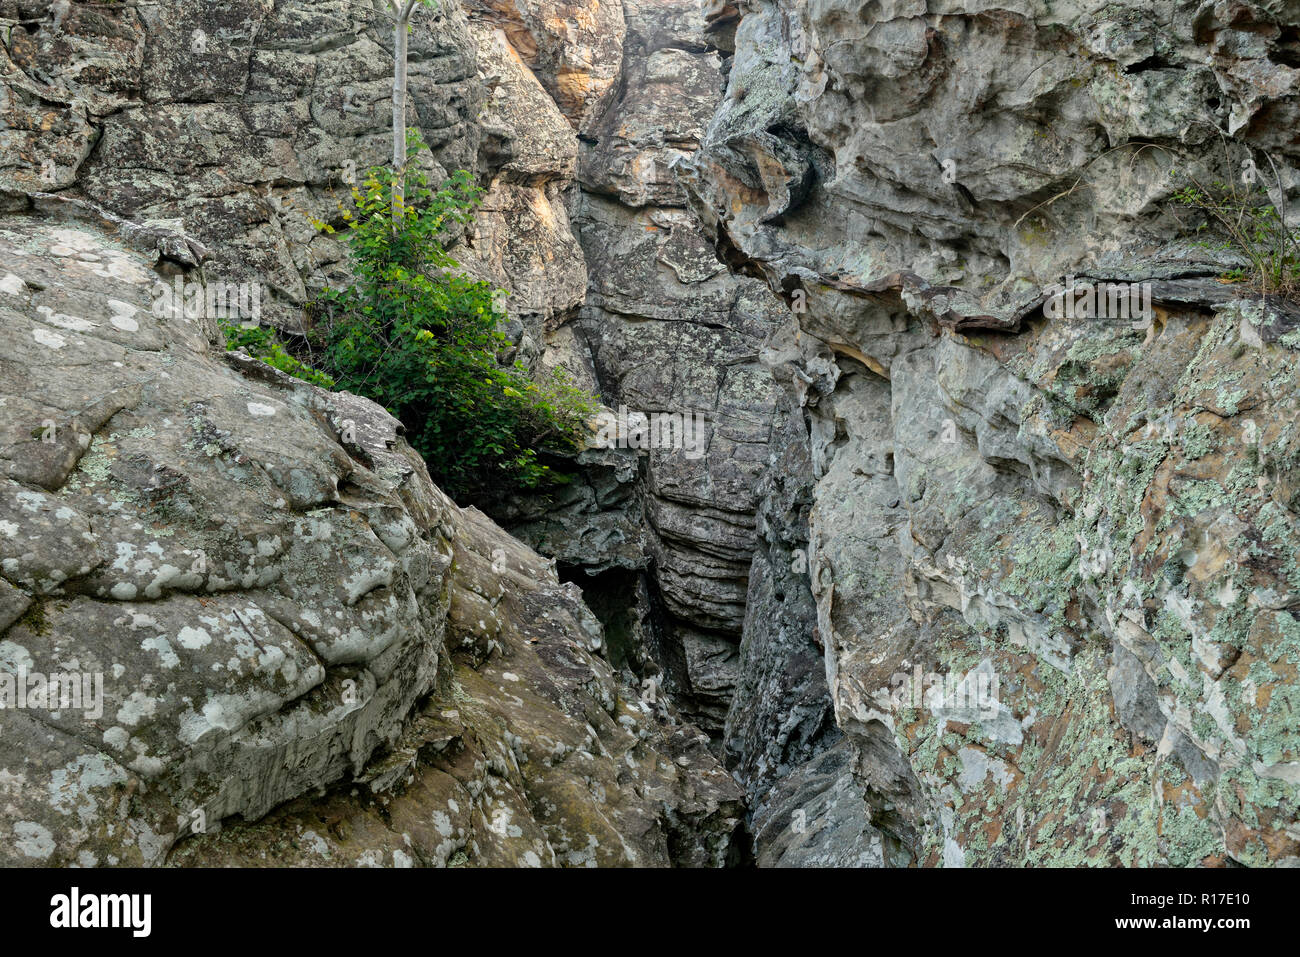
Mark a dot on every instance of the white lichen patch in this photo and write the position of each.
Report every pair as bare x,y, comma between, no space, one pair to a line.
166,654
33,840
137,708
64,321
123,316
71,788
14,657
51,339
315,843
193,638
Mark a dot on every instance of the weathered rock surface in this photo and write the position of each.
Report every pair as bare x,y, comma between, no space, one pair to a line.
664,328
269,587
573,47
1098,521
911,473
245,120
530,753
522,240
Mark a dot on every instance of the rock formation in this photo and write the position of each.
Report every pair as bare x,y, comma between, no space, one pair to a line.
662,328
285,613
956,577
276,600
1093,518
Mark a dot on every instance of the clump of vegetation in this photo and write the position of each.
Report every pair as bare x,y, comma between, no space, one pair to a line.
262,343
1246,222
422,338
416,334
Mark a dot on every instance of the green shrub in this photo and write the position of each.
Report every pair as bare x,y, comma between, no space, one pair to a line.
417,335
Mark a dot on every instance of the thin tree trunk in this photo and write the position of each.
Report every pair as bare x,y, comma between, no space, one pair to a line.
399,119
399,108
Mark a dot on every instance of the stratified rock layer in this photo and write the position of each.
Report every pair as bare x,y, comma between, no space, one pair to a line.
663,328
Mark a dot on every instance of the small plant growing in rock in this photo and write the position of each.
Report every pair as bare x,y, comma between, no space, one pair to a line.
262,343
1247,223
